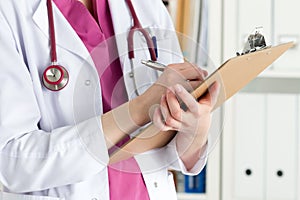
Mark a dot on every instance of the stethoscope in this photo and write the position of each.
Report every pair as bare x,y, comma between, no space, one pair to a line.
56,77
151,42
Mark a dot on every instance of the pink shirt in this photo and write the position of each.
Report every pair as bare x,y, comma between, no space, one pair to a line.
125,178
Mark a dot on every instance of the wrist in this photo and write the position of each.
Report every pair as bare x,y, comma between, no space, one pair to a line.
188,144
146,101
191,153
153,95
140,108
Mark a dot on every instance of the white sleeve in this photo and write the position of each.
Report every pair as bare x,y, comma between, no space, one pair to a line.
179,165
32,159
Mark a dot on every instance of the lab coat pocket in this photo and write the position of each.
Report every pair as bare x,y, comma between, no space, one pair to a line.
166,41
11,196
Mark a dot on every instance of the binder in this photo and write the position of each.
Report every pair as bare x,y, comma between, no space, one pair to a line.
232,76
195,184
248,176
281,151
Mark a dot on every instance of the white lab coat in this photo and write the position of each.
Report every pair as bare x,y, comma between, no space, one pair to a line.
51,143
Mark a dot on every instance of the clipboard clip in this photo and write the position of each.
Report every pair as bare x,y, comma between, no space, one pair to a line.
255,42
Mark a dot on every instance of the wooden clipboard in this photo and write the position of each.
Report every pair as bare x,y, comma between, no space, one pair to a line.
232,75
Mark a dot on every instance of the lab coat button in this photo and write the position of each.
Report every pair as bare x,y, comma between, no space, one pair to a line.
155,184
131,75
87,83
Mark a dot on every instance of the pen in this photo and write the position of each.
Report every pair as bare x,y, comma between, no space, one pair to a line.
154,65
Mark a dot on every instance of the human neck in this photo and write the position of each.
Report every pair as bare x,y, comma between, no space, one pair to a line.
88,4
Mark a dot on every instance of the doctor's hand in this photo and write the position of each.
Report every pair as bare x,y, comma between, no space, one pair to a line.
192,123
186,74
128,117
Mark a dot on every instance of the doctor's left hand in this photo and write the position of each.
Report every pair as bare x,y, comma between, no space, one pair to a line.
130,116
192,123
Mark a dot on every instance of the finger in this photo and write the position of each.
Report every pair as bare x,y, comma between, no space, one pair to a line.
189,101
194,73
188,71
173,105
167,115
163,107
192,84
158,120
179,66
211,97
205,73
188,67
195,66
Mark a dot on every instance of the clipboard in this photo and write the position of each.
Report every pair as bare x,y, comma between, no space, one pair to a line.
233,75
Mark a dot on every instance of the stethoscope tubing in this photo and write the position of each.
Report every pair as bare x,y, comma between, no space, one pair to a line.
50,76
55,77
53,53
138,27
152,48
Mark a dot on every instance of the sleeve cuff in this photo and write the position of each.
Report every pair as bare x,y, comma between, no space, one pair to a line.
200,164
93,139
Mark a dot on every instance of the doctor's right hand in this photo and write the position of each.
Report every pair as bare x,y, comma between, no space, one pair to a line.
186,74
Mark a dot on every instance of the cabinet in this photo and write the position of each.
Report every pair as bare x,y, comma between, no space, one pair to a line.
258,155
260,143
248,146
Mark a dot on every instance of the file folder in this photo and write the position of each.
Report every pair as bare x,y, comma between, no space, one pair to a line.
195,184
232,76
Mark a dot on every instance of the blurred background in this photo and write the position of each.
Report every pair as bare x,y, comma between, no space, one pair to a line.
257,153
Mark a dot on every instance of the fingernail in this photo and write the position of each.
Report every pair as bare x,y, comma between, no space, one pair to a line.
178,88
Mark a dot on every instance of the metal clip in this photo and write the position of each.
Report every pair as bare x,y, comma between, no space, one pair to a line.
256,41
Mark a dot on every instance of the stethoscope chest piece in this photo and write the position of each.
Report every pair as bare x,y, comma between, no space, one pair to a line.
55,77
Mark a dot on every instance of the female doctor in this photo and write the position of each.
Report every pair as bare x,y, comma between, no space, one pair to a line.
58,119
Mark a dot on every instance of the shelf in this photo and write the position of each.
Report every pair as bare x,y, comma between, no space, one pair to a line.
280,74
191,196
274,84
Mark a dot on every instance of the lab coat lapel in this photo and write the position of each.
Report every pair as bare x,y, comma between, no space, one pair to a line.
122,22
66,37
